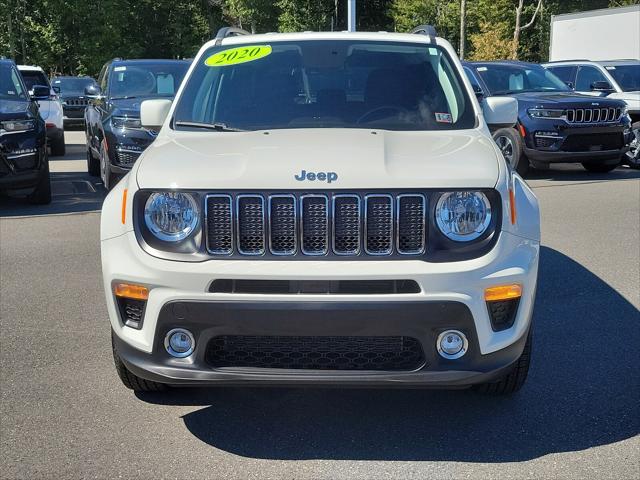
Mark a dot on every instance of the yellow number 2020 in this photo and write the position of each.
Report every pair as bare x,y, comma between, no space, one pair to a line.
234,56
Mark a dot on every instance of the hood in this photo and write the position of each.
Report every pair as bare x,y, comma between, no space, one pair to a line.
562,99
357,159
14,110
632,99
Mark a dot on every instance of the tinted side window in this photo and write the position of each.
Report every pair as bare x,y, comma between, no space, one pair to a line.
586,76
472,79
565,73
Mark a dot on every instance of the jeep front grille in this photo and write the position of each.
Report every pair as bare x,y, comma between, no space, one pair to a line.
593,115
344,224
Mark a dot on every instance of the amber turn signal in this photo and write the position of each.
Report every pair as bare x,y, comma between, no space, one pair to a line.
504,292
127,290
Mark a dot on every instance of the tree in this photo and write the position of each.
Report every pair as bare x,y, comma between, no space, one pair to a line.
519,28
463,26
491,43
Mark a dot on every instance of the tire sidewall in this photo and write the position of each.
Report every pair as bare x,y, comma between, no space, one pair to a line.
519,161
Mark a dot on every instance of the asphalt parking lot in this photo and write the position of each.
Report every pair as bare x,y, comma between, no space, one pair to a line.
65,414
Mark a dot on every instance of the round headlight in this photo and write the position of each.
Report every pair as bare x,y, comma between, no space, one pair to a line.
171,216
463,216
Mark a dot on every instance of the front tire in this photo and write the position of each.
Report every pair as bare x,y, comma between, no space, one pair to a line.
600,167
510,144
42,194
130,380
58,147
108,179
514,380
93,165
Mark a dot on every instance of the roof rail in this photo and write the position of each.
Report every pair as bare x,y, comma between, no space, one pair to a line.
225,32
569,61
428,30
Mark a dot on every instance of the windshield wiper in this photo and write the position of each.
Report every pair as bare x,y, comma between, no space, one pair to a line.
124,97
218,127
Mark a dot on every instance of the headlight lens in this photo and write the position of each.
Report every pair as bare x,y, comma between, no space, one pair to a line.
171,216
17,125
463,216
545,113
125,122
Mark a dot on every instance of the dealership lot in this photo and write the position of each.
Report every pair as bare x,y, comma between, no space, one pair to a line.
64,413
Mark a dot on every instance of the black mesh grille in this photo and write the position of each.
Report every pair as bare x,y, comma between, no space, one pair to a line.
346,227
297,225
316,353
219,225
250,225
411,224
126,158
502,313
76,102
379,225
283,225
314,225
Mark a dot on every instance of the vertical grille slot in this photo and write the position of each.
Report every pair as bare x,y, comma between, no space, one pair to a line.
411,224
314,224
378,224
251,229
346,224
282,217
219,225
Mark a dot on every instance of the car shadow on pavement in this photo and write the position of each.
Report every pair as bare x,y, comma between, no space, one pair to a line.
72,192
582,392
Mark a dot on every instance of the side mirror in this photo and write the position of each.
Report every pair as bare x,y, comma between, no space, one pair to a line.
478,91
40,91
569,84
500,112
56,89
601,86
154,112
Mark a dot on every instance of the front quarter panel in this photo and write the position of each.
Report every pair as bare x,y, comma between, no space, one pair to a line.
116,218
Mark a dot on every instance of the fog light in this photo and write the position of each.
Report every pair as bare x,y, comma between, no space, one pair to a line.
452,344
179,343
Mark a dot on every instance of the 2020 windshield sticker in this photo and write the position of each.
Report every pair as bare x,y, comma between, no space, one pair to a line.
234,56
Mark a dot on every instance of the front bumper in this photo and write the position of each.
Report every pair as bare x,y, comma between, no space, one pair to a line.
22,159
451,297
575,143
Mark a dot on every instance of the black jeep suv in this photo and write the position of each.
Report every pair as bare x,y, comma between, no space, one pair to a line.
115,137
24,165
74,101
555,124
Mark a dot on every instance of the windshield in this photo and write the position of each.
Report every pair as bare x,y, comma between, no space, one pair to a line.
147,79
507,79
627,76
324,84
73,86
10,86
34,77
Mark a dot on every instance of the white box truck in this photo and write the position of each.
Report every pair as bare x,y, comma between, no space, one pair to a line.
611,33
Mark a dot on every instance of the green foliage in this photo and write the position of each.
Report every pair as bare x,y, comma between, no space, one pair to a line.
78,36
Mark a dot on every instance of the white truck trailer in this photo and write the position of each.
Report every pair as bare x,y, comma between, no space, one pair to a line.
610,33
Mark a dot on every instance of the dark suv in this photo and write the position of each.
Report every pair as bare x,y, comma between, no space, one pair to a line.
555,124
115,137
74,101
24,165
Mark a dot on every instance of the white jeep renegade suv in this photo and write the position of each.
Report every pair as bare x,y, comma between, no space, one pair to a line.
322,208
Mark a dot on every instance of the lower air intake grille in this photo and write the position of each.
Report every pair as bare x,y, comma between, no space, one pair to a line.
126,158
316,353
